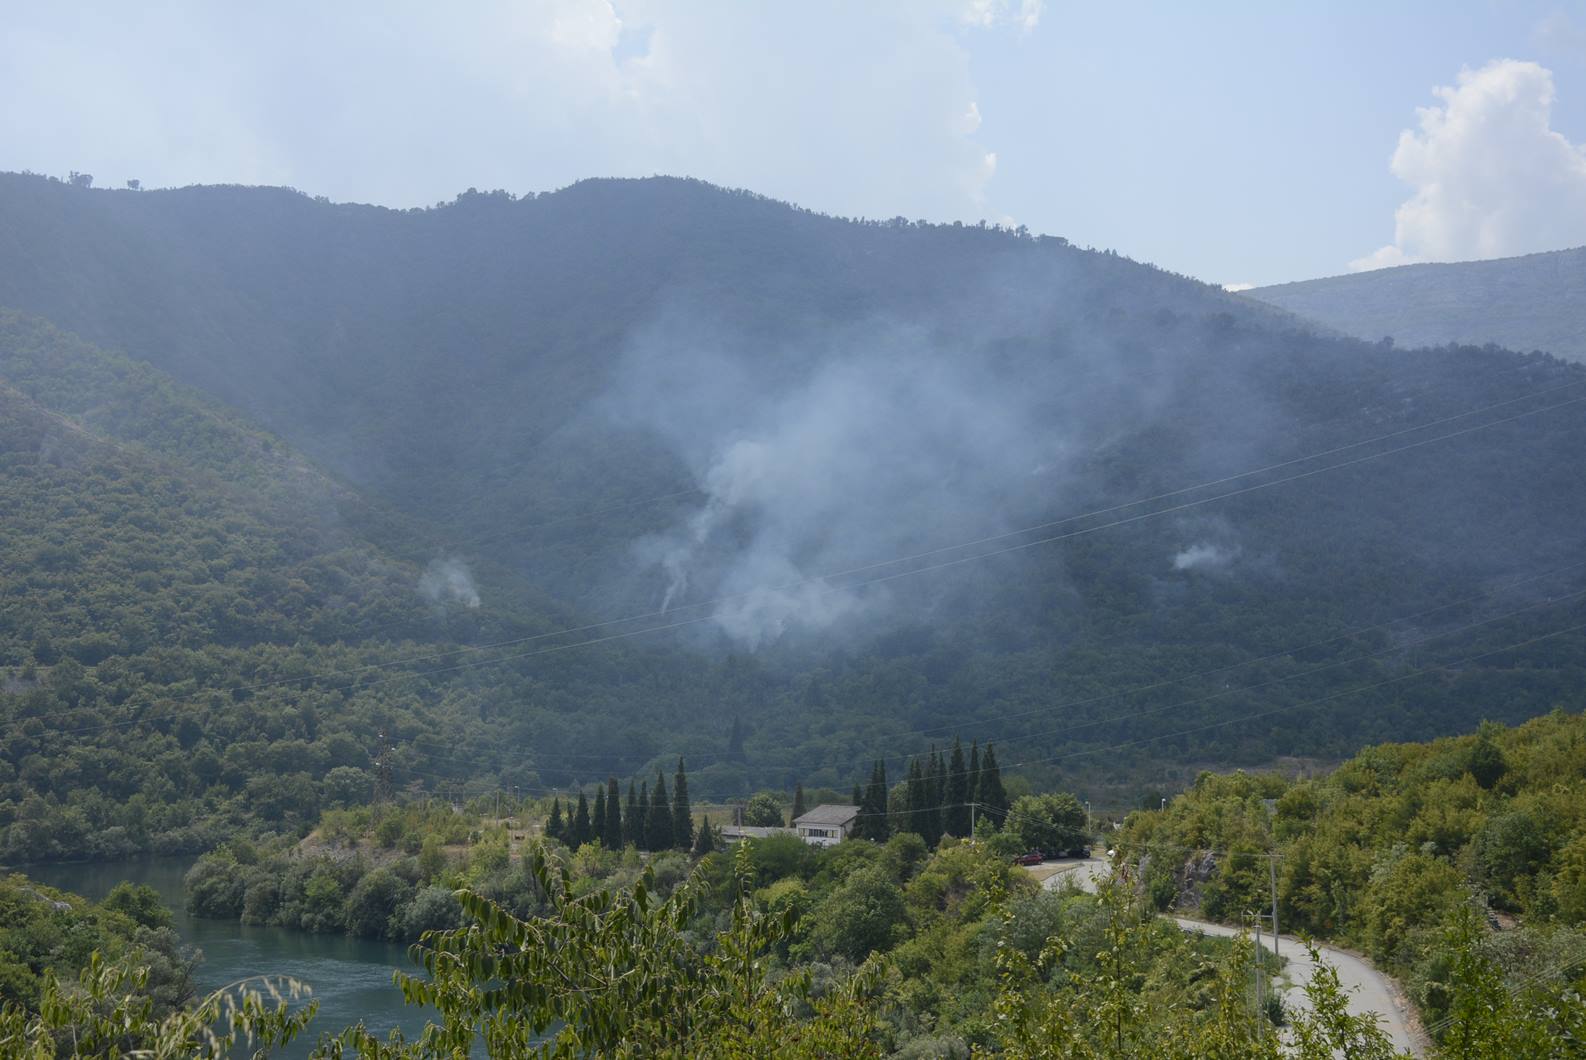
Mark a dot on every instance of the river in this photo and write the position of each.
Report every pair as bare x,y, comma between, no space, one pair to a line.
350,978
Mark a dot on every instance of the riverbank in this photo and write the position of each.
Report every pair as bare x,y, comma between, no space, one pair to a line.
349,977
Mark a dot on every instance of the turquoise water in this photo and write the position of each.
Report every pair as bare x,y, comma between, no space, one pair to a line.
350,978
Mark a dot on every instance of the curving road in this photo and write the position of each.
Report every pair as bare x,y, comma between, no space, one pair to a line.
1370,992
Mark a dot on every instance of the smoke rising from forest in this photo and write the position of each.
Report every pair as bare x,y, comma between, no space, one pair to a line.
849,449
447,581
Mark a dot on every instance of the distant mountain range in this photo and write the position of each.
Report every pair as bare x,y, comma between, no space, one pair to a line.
1534,302
803,491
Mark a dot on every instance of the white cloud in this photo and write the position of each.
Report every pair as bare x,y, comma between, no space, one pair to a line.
1025,14
851,108
1491,176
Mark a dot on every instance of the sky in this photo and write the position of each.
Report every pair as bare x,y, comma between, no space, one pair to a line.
1243,143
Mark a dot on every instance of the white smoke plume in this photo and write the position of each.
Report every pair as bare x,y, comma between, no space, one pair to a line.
447,581
860,445
1205,556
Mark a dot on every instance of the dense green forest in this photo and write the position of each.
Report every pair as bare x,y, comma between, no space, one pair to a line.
890,947
45,933
311,516
1390,852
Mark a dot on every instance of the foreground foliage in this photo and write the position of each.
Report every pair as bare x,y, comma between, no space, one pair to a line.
1391,851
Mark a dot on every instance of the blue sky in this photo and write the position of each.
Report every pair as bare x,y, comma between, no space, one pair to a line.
1240,142
1249,143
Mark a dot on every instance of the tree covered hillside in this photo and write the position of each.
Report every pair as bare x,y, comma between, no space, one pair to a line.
195,634
857,485
1526,303
1391,851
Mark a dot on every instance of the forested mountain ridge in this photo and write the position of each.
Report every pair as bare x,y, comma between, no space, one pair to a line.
1533,302
666,400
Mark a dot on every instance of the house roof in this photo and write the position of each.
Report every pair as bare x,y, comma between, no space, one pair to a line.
749,831
828,813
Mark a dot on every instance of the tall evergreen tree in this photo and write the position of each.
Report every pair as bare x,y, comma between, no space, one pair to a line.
597,818
554,826
639,823
632,819
991,795
935,788
955,795
580,830
873,824
613,831
798,801
705,841
658,832
682,812
914,810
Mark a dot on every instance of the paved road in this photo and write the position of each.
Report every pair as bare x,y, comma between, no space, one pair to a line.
1369,990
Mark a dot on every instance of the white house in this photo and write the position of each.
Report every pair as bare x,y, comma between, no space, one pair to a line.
827,824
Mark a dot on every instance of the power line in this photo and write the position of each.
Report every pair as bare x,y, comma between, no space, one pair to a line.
821,581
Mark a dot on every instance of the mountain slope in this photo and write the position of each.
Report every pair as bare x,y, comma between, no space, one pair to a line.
1535,302
197,636
771,434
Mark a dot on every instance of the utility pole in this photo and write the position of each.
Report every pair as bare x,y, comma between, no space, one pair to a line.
1272,877
1261,1010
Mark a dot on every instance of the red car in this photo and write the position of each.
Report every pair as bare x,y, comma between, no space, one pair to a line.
1034,857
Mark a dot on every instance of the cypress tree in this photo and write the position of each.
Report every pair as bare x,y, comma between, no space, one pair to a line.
992,796
704,842
613,828
914,810
632,819
873,825
682,812
554,826
639,823
798,801
658,832
935,788
955,796
859,800
597,818
580,832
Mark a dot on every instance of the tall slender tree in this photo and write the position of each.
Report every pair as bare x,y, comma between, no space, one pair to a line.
935,788
597,818
991,795
955,795
632,819
873,822
682,812
554,825
614,838
639,823
798,801
580,830
658,832
918,793
705,841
